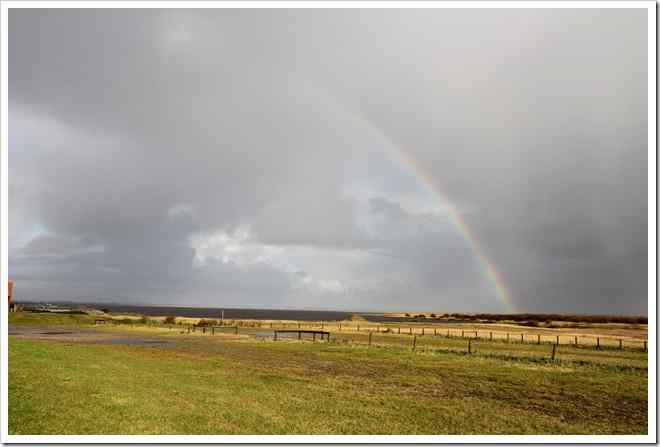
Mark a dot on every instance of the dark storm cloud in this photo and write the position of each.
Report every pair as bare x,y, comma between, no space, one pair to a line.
188,156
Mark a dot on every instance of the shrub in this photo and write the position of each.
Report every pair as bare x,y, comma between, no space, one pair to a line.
124,321
203,322
170,320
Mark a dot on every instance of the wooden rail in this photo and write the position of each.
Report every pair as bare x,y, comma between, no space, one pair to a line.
300,332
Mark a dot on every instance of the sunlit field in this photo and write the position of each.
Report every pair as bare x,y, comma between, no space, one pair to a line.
162,379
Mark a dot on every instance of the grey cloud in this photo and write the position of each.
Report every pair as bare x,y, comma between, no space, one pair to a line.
137,130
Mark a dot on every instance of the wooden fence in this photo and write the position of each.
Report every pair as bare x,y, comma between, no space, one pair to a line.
517,337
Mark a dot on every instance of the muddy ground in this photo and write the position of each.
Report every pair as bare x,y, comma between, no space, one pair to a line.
83,335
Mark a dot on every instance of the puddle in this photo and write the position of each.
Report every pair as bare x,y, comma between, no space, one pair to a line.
264,334
135,342
269,334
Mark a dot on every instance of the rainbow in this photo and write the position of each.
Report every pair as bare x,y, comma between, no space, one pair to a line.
405,159
488,268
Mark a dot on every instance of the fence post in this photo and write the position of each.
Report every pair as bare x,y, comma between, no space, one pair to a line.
553,352
314,336
558,340
576,341
212,330
435,331
204,330
422,331
236,329
447,333
414,342
410,330
358,328
538,339
462,334
645,346
340,326
469,346
369,338
299,335
620,344
491,336
399,328
507,338
522,338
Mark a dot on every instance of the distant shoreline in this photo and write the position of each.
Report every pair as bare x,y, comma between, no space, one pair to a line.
527,319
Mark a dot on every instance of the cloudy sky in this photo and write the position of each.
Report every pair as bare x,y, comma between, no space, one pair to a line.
442,160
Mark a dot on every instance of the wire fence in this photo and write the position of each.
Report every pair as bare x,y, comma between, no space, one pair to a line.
413,335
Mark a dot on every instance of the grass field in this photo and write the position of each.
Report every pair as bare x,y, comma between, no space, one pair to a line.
229,384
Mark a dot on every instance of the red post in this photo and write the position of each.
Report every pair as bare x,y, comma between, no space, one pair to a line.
11,290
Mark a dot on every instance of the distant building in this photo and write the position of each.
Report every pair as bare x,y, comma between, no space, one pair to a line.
11,290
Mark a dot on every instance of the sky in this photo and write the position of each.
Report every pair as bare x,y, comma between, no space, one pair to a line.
448,160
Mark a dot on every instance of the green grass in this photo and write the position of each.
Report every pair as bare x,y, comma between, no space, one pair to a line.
55,319
224,385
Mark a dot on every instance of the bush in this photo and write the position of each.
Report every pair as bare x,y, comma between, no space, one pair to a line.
124,321
206,323
170,320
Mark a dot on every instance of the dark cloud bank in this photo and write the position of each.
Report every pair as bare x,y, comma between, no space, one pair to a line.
254,157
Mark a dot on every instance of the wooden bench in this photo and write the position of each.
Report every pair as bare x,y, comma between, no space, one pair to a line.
300,332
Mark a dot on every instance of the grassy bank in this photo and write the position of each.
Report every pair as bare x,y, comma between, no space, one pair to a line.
225,385
51,319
